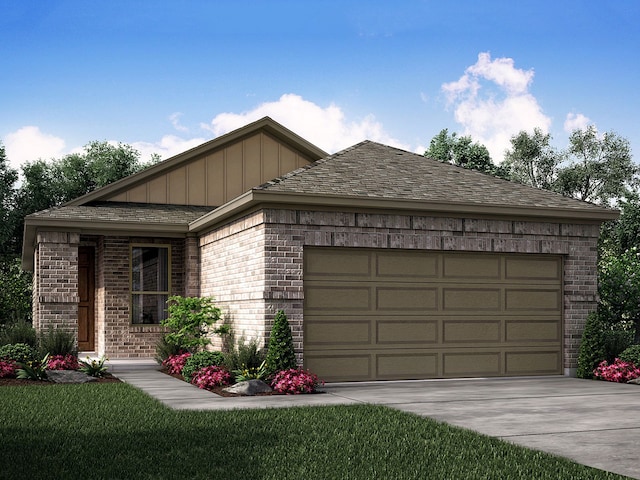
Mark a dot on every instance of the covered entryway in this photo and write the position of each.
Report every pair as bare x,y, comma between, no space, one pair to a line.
372,314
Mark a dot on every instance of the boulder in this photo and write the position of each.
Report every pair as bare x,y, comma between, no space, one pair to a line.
635,380
68,376
249,387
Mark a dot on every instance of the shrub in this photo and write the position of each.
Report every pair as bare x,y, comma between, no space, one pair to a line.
200,360
33,370
94,368
294,381
63,362
57,342
592,347
212,376
631,355
244,355
7,369
280,354
616,341
19,332
619,371
189,322
165,349
18,352
175,363
245,373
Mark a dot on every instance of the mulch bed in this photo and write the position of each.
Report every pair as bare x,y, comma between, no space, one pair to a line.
219,390
16,382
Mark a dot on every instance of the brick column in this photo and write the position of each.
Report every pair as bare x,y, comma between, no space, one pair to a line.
56,281
191,267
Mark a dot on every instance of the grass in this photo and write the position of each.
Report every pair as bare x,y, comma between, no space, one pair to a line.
115,431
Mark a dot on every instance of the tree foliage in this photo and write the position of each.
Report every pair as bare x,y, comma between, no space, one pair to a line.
600,168
463,152
8,178
532,160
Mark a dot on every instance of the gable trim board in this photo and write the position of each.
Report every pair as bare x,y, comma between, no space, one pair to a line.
249,253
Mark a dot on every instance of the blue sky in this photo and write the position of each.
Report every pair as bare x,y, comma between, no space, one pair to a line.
165,76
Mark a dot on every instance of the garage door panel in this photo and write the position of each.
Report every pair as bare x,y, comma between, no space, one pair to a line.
337,298
333,263
402,366
532,331
407,298
471,364
476,299
533,363
334,367
533,300
471,266
405,265
356,332
519,268
406,332
472,331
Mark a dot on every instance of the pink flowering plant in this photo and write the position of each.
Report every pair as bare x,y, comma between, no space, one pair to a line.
63,362
295,380
175,363
619,371
212,376
7,369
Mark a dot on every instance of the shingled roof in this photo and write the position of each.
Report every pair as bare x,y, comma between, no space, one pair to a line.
373,170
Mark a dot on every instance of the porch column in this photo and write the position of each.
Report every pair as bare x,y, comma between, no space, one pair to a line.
56,278
192,267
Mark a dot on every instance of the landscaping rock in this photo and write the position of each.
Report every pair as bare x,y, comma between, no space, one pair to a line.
635,380
249,387
69,376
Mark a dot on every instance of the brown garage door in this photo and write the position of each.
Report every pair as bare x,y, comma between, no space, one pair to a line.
389,314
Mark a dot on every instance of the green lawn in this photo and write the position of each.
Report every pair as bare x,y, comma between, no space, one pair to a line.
115,431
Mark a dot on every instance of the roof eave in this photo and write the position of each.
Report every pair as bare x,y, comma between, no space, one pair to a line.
257,197
33,225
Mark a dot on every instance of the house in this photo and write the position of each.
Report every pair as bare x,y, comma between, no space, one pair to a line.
389,265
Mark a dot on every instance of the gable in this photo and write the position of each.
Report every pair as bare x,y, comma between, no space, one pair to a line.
213,178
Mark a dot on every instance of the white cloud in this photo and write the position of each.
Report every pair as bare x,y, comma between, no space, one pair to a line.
29,144
575,121
492,102
325,127
174,118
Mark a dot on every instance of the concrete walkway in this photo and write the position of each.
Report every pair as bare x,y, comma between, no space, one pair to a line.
593,423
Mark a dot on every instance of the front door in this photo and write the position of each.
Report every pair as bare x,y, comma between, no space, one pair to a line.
86,289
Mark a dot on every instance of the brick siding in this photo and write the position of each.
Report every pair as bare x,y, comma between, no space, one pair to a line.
253,266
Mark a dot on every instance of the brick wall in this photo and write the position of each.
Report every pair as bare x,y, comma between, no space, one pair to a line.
253,266
56,281
116,336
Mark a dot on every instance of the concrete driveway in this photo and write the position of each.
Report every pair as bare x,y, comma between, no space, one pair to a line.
593,423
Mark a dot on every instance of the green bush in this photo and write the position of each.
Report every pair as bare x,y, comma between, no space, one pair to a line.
165,349
19,352
616,341
19,332
189,322
592,347
244,355
280,354
57,342
631,354
200,360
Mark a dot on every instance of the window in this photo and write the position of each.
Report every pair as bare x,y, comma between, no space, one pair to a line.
150,274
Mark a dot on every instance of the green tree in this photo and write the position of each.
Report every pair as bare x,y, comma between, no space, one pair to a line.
463,152
601,169
15,293
8,178
532,160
